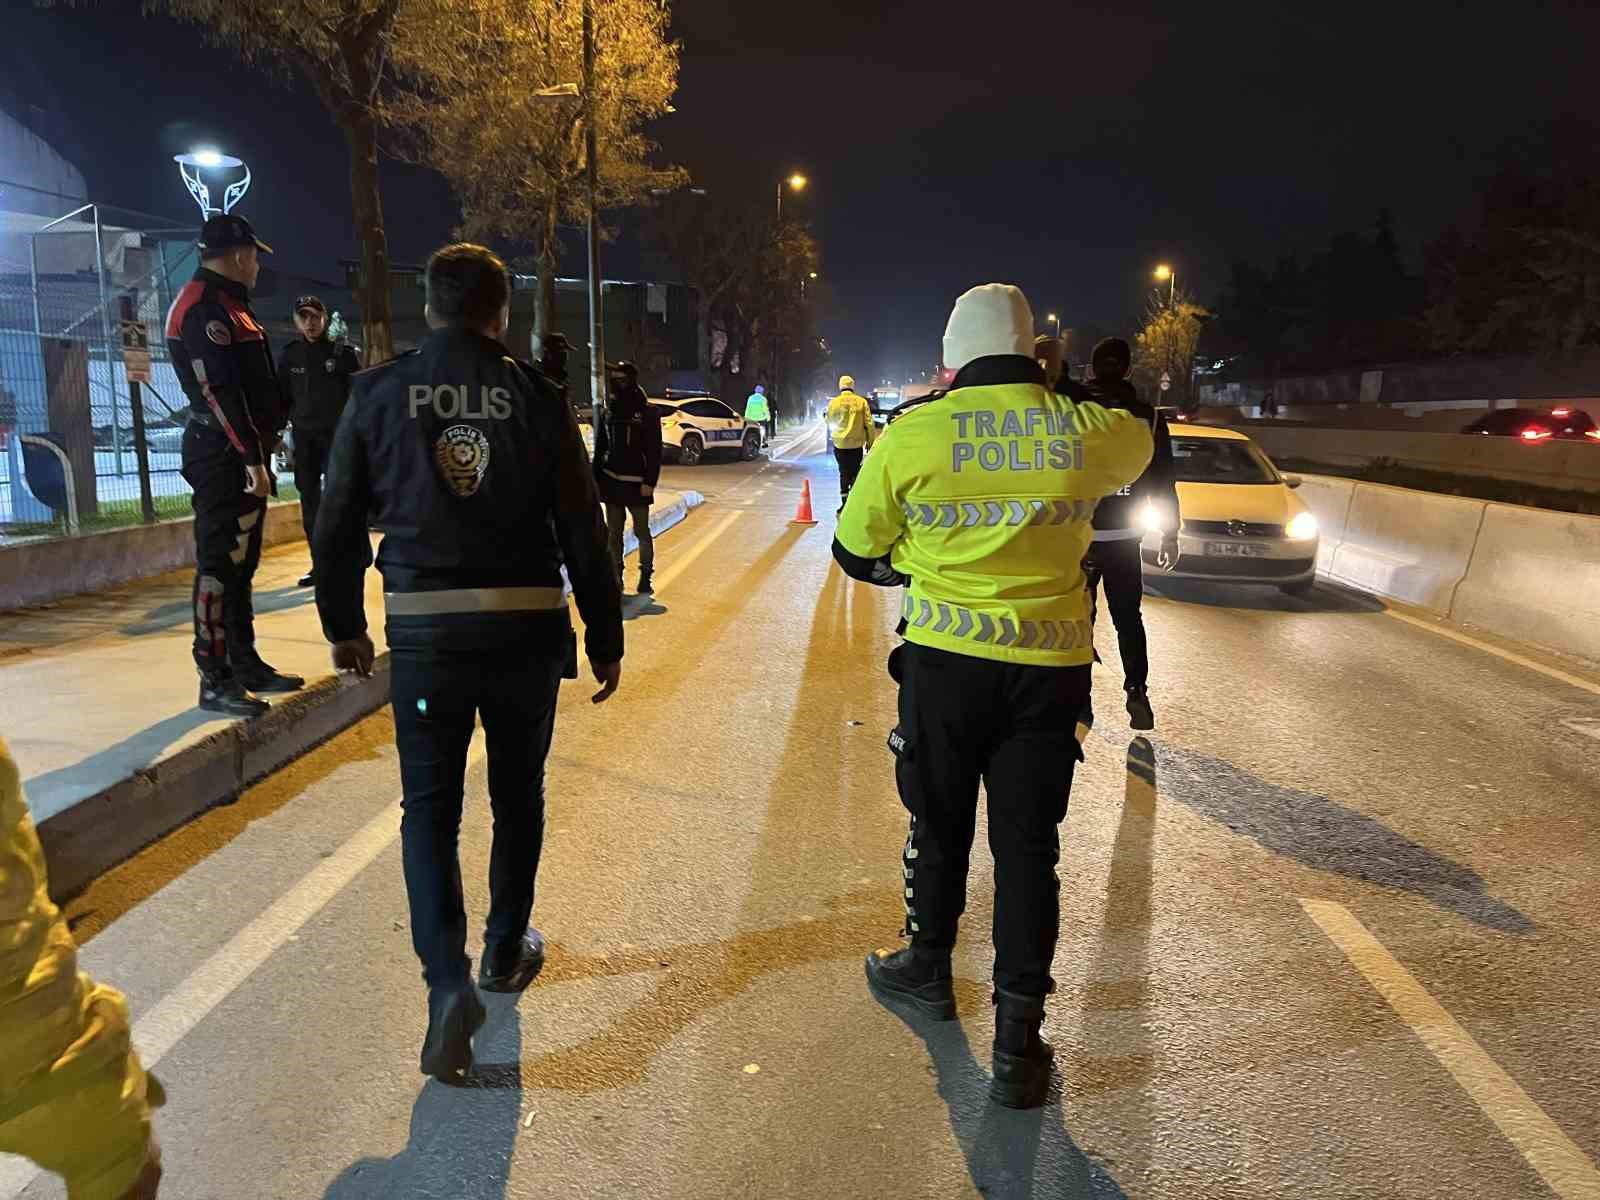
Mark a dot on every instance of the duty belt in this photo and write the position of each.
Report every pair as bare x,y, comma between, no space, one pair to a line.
988,630
474,600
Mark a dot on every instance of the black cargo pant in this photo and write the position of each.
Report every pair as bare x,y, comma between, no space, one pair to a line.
849,467
228,525
311,447
965,720
1118,565
436,697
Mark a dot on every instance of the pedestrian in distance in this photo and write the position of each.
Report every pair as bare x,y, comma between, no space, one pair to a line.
554,350
628,468
473,465
850,423
235,419
759,410
1115,558
315,372
968,503
74,1098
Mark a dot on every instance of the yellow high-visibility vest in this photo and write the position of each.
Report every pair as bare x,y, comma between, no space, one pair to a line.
984,498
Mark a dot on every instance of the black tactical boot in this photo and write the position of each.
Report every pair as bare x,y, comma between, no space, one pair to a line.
1021,1057
259,677
454,1014
225,694
512,968
1140,715
914,977
309,579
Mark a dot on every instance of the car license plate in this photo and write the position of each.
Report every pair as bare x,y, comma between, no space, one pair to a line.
1236,549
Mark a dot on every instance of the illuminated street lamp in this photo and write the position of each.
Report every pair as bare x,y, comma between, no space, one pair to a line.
206,158
796,183
1163,274
1055,320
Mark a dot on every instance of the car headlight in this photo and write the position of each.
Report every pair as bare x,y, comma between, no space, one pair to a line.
1150,518
1303,528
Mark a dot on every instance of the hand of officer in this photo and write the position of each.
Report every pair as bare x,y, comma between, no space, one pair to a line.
608,676
1167,556
355,654
258,482
648,492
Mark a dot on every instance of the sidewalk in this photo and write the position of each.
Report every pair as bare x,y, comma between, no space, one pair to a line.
97,695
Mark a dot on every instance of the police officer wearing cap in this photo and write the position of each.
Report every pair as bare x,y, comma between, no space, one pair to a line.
315,373
235,420
472,466
979,503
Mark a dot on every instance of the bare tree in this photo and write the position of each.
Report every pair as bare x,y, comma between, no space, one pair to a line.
515,157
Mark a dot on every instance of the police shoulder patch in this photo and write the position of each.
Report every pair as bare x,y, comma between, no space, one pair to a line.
218,332
462,455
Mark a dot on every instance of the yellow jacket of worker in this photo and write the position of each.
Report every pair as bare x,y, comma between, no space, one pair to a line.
73,1097
850,418
983,498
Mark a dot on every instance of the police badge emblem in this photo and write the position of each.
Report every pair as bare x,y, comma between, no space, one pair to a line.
462,455
219,333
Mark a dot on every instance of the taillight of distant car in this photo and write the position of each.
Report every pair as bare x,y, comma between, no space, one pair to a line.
1560,412
1534,434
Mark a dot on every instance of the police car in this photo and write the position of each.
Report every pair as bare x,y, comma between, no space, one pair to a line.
695,426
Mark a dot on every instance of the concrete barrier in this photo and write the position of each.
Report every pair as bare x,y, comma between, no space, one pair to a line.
39,572
1535,577
1408,545
1329,499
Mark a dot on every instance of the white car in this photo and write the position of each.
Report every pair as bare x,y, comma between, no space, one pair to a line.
694,426
1240,519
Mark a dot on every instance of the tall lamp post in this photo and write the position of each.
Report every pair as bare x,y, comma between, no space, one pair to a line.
1055,320
1164,273
795,183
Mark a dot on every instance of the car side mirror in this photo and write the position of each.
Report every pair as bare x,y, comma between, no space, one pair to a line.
1292,481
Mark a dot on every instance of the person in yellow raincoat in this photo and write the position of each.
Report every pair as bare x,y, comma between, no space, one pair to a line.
73,1097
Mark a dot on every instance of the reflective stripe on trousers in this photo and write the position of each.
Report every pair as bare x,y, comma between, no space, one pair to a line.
988,630
986,514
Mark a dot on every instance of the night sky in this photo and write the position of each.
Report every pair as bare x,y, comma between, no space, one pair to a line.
1065,148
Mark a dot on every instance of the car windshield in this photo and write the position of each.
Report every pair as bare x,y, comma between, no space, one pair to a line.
1220,460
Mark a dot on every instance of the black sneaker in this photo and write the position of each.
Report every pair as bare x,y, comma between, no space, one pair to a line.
512,969
454,1015
225,694
1022,1059
1140,715
309,579
916,979
260,677
646,587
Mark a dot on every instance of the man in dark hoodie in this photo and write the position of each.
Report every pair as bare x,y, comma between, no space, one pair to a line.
628,467
1121,521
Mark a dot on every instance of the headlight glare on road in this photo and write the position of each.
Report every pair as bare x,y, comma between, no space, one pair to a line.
1303,528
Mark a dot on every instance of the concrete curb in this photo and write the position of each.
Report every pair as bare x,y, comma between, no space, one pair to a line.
112,825
117,822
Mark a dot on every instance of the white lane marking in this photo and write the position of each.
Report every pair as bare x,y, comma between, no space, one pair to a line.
803,440
695,551
1560,1163
213,981
1553,672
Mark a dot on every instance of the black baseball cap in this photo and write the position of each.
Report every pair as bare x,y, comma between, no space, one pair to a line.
314,303
623,368
226,231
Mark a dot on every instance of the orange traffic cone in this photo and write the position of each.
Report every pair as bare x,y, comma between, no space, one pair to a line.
803,515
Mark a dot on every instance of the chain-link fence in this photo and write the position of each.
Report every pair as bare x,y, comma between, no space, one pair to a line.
69,286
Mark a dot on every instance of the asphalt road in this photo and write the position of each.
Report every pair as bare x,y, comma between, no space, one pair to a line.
1339,940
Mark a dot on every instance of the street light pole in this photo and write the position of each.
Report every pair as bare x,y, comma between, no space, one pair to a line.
597,337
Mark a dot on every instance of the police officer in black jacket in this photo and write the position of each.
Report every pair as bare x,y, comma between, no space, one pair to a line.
315,372
1120,524
235,419
473,468
628,459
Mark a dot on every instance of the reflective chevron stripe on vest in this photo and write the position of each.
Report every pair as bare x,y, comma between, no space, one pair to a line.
987,514
987,630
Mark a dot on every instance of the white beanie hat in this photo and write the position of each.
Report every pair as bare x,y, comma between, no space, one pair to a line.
992,319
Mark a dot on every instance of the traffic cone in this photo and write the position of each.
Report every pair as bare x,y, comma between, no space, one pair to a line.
803,514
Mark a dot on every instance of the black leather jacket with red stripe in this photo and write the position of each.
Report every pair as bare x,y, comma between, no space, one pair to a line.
219,351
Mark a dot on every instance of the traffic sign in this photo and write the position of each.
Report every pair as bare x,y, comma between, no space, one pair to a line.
136,351
1166,381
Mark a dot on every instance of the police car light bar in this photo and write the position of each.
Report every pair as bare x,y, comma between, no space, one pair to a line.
191,164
